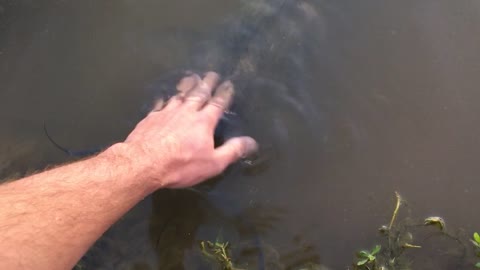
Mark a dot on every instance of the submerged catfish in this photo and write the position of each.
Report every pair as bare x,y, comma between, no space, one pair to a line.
268,51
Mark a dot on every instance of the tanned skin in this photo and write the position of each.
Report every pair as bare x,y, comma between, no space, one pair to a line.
49,220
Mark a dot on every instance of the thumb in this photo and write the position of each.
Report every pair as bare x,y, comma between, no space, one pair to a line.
234,149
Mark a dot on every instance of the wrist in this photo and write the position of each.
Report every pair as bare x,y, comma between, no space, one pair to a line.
133,167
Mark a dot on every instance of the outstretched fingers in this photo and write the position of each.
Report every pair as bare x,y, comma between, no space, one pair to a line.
195,93
220,101
202,92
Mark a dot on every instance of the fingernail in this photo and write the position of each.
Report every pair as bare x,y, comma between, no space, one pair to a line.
211,78
226,87
188,83
227,84
251,146
211,74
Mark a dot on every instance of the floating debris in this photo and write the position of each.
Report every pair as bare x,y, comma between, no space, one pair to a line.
435,221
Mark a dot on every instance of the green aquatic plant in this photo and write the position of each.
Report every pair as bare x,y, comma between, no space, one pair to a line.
390,254
398,237
218,252
367,259
476,242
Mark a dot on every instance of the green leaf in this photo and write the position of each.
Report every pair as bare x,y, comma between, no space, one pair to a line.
476,237
363,254
475,243
477,265
362,262
371,258
376,249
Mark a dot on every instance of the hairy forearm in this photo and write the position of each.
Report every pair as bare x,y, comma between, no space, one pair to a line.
49,220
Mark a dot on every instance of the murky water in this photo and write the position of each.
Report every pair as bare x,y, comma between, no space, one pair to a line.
352,100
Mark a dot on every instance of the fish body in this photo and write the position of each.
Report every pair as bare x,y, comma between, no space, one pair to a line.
268,50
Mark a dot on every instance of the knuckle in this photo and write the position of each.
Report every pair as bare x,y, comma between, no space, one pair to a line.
174,100
202,95
198,94
219,102
203,85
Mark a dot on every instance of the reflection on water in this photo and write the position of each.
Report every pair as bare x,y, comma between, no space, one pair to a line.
354,100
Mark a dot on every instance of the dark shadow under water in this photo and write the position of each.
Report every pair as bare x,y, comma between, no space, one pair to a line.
267,51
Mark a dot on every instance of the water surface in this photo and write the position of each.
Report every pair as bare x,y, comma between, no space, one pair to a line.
391,91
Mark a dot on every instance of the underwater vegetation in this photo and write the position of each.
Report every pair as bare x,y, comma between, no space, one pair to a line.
397,237
218,251
367,259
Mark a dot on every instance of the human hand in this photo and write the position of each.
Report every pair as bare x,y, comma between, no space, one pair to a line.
174,146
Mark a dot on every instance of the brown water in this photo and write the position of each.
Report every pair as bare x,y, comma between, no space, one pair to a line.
394,92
